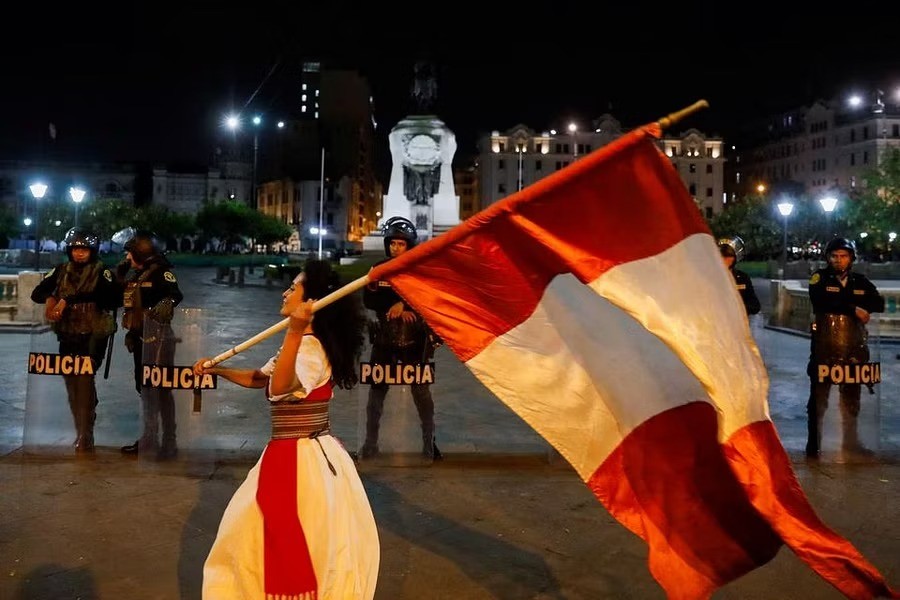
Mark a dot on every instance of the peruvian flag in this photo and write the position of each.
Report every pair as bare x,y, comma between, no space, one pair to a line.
595,305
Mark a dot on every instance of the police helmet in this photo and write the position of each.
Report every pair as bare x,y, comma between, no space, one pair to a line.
398,228
733,246
78,237
841,244
143,246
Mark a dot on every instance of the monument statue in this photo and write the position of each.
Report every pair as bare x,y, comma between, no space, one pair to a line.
424,89
422,148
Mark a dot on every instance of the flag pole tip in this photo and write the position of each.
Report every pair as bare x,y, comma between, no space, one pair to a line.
674,117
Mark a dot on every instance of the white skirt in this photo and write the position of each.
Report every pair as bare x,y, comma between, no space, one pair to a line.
337,522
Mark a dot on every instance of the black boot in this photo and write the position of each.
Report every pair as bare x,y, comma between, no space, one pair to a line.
131,448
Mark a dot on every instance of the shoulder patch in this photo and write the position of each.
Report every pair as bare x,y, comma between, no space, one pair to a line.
814,279
169,276
107,275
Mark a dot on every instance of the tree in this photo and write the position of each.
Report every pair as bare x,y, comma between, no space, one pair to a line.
268,230
166,223
227,220
874,207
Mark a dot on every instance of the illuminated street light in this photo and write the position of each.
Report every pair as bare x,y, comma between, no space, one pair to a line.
573,129
27,222
280,124
233,122
785,208
829,203
854,101
761,188
257,120
38,190
77,195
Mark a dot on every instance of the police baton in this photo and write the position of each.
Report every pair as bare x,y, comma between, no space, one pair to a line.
109,343
317,305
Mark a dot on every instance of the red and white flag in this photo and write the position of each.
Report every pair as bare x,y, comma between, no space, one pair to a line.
595,305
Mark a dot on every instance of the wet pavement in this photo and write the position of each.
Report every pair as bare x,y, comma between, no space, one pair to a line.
500,517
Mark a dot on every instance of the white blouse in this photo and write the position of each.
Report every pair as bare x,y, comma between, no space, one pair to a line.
312,369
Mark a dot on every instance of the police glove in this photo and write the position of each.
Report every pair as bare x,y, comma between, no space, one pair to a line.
163,311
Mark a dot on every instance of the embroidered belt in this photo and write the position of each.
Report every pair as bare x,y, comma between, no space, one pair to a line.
299,419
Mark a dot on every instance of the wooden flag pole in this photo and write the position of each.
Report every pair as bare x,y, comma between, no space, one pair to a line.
317,305
674,117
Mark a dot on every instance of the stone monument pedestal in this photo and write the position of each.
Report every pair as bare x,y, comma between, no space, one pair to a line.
421,186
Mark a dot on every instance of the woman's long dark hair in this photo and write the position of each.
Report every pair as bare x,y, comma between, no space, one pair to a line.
339,326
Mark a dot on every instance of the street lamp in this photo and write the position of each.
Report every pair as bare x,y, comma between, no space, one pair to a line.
785,208
520,150
573,128
828,205
257,121
77,196
38,190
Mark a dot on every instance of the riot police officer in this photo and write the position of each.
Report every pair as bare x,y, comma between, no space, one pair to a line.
78,297
151,290
399,335
732,251
842,302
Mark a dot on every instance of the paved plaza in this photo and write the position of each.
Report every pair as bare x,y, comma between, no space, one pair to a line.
500,517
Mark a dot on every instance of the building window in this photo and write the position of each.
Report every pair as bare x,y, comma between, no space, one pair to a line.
565,148
895,131
501,188
559,165
693,189
852,159
502,146
709,168
865,131
538,166
852,135
708,211
709,192
501,164
866,157
538,147
692,168
559,148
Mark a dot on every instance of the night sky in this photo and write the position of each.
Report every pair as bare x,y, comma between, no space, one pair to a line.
152,81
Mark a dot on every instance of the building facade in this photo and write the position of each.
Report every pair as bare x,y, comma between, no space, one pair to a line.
821,149
512,160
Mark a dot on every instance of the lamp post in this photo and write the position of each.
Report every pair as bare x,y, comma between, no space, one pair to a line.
37,191
573,129
77,195
828,205
785,208
257,121
321,202
520,150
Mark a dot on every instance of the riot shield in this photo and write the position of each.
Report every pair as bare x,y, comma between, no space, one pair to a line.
848,355
174,423
395,403
61,392
396,419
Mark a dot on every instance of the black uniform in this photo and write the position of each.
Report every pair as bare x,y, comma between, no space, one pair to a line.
394,341
745,289
152,292
90,293
838,337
